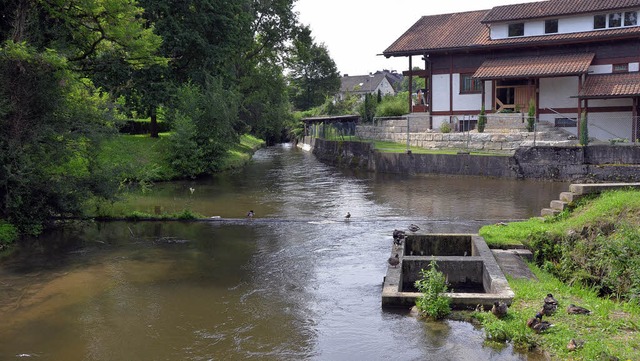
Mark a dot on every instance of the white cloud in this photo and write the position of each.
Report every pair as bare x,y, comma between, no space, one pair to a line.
355,31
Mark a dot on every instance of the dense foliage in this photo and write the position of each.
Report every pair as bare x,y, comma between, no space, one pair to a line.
71,71
433,284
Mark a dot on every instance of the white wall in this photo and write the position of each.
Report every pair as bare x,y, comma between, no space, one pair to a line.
556,92
441,91
601,69
571,24
471,102
488,95
617,125
385,87
634,67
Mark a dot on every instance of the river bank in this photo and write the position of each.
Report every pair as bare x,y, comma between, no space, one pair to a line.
593,163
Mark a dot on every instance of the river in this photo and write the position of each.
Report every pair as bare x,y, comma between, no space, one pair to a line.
297,281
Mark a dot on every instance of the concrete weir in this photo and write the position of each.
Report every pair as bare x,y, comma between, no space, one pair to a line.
471,270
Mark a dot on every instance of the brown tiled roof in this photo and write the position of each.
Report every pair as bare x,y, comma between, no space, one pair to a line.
611,85
464,31
443,31
551,8
539,66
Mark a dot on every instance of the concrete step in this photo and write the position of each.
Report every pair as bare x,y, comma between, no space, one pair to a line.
511,262
549,212
559,205
569,197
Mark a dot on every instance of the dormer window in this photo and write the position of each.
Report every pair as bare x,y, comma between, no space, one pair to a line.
615,20
516,29
551,26
621,68
599,21
630,18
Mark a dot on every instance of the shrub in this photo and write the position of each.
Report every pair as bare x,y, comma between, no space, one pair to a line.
392,106
482,120
584,129
445,127
433,284
8,233
531,118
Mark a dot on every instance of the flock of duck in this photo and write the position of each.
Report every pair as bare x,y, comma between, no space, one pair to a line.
499,308
398,237
537,324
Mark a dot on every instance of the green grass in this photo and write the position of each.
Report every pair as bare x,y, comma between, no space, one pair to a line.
612,329
140,158
595,240
610,207
394,147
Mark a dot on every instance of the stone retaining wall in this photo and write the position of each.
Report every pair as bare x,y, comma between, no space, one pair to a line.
601,163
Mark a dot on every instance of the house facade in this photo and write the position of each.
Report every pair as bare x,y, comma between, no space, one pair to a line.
359,85
562,56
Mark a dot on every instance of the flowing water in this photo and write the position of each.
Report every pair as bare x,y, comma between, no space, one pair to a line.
298,281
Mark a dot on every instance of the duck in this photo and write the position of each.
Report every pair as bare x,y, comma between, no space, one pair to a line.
548,309
537,325
577,310
550,299
250,214
394,261
574,344
398,236
347,216
499,309
414,228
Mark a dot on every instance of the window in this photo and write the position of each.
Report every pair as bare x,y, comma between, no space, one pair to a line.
566,122
630,18
469,84
516,29
615,20
621,68
551,26
599,21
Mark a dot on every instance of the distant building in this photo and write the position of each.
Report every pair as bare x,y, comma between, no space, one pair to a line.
359,85
564,56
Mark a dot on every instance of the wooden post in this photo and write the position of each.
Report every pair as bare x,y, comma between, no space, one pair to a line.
410,85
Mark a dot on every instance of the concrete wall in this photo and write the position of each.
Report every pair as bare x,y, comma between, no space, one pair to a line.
598,163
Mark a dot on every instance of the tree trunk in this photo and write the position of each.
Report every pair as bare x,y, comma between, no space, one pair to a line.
154,122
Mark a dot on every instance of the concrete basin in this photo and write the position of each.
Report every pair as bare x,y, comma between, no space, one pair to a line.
472,272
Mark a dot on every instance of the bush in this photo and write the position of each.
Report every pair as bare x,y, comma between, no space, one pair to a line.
8,233
393,106
531,118
584,129
482,120
445,127
433,284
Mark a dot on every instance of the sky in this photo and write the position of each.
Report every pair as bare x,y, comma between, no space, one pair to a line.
356,31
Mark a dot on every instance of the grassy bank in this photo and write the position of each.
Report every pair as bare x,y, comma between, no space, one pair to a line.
140,158
588,256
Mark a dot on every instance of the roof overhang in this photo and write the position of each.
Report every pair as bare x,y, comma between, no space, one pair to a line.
616,85
544,66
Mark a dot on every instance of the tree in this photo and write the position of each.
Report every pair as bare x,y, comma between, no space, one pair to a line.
51,115
51,121
314,75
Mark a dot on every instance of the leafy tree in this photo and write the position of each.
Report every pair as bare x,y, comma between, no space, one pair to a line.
203,118
50,122
417,82
314,75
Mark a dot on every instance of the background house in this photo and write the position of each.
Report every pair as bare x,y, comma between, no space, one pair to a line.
564,56
385,81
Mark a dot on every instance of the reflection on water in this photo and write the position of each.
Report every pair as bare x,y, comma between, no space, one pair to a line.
296,282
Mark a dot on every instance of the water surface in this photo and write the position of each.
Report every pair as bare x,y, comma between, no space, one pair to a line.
296,282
